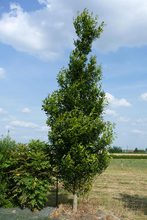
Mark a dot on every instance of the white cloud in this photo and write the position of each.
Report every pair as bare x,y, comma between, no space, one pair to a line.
144,96
47,32
117,102
24,124
137,131
110,112
2,111
9,127
118,118
45,2
140,122
2,73
123,119
17,29
26,110
42,33
44,129
124,22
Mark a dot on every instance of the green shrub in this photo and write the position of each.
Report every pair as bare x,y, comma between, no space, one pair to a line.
6,146
4,200
27,174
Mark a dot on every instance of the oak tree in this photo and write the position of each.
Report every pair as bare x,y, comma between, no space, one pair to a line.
79,135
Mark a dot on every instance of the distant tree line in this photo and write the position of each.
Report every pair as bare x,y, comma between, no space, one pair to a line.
117,149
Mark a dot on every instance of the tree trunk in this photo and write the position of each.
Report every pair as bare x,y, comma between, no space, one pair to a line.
75,202
57,205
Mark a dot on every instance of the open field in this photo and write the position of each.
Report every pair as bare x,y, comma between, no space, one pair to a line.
129,156
122,189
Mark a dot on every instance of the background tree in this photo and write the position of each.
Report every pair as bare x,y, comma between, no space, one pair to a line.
78,134
115,149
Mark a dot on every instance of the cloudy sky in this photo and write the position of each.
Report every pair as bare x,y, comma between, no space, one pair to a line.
36,38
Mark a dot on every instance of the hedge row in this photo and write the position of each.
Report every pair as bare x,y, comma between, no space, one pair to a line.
129,156
25,174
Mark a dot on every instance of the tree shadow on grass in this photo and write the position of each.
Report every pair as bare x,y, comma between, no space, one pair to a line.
63,198
134,202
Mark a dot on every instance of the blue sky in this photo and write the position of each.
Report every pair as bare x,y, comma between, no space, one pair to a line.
36,38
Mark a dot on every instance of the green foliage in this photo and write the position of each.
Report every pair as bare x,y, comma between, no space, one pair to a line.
31,175
129,156
139,151
78,134
115,149
79,163
136,150
6,146
6,143
27,173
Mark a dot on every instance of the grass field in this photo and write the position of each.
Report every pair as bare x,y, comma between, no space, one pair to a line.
122,189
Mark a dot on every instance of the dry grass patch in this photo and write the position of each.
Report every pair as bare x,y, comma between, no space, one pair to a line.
122,189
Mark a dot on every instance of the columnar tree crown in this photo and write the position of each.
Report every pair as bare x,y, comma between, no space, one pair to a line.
78,134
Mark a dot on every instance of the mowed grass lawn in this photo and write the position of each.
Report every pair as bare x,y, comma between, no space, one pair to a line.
122,189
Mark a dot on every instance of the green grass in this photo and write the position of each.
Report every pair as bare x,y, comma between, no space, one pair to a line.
122,189
125,164
129,156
